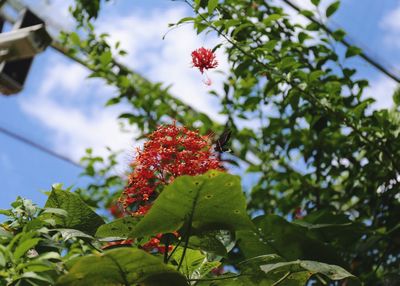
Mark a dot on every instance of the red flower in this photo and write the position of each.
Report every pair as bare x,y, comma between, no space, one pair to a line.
203,58
116,210
154,244
172,151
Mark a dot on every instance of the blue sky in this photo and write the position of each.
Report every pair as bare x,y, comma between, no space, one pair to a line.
61,109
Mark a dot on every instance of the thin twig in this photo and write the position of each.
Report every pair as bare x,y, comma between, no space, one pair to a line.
282,278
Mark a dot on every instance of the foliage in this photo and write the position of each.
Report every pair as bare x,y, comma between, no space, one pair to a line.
34,241
325,159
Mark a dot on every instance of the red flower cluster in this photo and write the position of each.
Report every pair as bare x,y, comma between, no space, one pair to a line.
203,58
172,151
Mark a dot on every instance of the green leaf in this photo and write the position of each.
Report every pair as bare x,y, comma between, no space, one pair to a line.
22,248
211,201
75,38
273,270
339,34
35,276
113,101
80,216
208,244
359,109
271,19
299,272
5,233
6,212
396,96
218,242
313,26
2,260
186,19
121,267
315,75
105,58
315,2
332,8
211,5
67,233
307,13
353,51
332,228
120,228
195,264
303,36
290,241
56,211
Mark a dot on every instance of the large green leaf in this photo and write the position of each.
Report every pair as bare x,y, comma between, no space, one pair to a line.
120,228
299,272
23,247
80,216
273,270
211,201
332,228
121,266
276,235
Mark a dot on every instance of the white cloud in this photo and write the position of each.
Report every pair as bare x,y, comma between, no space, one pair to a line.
391,20
381,89
6,163
390,25
75,130
61,105
66,76
168,60
295,17
71,106
51,11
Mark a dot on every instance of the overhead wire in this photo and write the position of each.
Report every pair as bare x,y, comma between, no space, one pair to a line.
346,42
37,146
19,5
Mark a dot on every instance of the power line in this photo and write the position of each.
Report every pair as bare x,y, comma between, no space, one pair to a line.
368,58
17,5
37,146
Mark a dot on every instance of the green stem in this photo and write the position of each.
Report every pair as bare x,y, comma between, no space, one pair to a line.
216,279
166,251
186,243
189,227
173,251
281,280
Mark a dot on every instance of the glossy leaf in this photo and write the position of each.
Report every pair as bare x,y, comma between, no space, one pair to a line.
211,5
290,241
210,201
121,267
332,8
121,228
299,272
80,216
